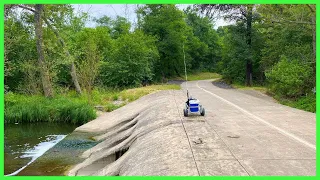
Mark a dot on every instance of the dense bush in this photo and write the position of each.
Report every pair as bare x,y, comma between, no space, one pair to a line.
307,103
289,78
131,62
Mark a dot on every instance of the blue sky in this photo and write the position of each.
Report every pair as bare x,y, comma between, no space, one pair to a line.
125,10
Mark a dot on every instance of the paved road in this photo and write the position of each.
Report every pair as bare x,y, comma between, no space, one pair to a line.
241,134
246,135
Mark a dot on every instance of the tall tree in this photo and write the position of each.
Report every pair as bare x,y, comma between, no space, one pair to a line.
166,22
42,16
290,31
202,28
46,83
120,26
233,12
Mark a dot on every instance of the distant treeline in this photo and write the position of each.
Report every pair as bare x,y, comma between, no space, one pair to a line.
48,48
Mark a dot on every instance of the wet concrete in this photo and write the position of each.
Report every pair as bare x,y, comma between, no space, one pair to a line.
60,158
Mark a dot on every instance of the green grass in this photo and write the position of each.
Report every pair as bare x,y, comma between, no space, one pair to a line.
71,107
21,108
199,76
306,103
254,87
133,94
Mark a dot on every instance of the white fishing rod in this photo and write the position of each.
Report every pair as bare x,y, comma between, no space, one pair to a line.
185,69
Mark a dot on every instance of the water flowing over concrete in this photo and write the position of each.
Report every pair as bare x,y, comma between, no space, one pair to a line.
39,150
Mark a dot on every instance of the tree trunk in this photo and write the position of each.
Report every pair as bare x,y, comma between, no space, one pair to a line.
313,19
44,73
314,50
248,36
73,71
75,78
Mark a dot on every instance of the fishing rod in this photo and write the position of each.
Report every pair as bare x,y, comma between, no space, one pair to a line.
185,69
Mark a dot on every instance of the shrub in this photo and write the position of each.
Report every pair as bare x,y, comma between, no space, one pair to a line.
131,62
289,78
307,103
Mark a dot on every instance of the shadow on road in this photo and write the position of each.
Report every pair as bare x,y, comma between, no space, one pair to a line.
222,85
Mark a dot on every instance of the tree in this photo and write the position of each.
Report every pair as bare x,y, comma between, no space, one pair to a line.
289,31
91,47
54,12
46,83
289,78
204,34
103,21
132,61
120,26
117,26
57,19
89,66
233,12
166,22
19,47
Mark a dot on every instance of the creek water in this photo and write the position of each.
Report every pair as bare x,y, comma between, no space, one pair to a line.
24,143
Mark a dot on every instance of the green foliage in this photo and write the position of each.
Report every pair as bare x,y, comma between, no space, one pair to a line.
135,93
103,21
70,107
289,78
306,103
166,22
115,55
20,48
120,26
117,27
20,108
204,48
234,54
131,61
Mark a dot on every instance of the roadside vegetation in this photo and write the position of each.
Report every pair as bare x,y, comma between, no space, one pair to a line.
195,76
306,102
71,107
57,69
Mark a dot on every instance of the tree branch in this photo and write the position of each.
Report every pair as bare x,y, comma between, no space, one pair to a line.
311,9
25,7
292,22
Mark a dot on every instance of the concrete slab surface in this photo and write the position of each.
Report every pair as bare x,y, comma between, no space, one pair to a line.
240,135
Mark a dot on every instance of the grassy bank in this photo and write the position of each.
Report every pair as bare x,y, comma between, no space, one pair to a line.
21,108
194,76
306,103
259,88
71,107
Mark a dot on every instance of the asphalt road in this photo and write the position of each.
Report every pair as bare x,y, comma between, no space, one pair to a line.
243,134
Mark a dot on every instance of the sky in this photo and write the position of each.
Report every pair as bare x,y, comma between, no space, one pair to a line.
125,10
